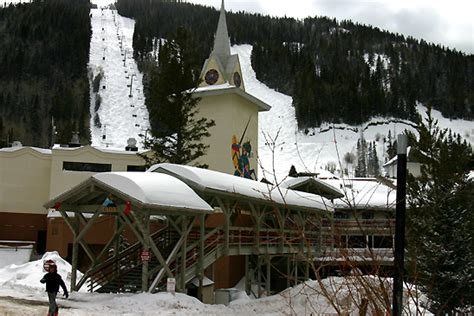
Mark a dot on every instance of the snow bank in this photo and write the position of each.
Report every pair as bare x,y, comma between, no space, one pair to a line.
25,278
14,255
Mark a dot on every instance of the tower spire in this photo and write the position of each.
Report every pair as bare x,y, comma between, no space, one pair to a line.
221,40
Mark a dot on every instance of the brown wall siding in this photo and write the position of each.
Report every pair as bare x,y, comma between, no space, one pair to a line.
228,271
19,226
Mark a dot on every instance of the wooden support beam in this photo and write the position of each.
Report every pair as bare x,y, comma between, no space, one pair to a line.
174,223
227,213
202,233
153,247
182,284
247,276
259,276
146,247
268,277
88,224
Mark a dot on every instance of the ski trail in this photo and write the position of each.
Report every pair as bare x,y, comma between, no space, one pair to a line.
122,112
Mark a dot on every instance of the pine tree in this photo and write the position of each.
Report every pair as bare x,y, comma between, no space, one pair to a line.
361,167
176,130
440,219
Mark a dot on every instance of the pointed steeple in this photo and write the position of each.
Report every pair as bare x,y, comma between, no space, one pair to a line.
221,40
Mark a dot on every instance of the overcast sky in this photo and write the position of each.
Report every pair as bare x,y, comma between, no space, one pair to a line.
447,22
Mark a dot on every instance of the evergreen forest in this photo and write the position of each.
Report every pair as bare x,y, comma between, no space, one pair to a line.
44,51
336,71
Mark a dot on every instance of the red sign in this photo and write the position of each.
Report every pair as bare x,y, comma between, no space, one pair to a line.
145,255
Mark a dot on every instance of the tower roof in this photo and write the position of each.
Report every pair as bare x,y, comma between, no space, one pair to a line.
221,39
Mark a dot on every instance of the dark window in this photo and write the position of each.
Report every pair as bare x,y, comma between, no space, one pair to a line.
86,166
340,242
383,242
357,242
136,168
368,215
341,215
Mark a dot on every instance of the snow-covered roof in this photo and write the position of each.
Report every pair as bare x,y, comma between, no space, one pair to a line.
317,186
363,193
145,190
43,151
228,88
213,181
98,148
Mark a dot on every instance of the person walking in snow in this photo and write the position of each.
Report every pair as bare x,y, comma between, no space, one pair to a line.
53,280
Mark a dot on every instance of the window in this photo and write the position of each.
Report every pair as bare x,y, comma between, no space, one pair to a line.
340,242
368,215
86,166
136,168
357,242
341,215
383,242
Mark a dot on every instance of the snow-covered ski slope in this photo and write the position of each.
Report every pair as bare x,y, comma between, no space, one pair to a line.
122,112
320,146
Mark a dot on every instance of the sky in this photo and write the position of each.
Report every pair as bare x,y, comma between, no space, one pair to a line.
449,22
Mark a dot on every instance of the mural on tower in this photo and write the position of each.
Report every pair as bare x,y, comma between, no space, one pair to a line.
240,158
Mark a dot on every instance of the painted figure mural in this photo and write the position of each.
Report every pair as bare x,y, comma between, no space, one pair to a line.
240,158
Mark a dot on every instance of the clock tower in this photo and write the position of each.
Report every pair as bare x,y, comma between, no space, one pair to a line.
221,67
233,142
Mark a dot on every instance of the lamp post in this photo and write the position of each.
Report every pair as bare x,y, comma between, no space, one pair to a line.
400,226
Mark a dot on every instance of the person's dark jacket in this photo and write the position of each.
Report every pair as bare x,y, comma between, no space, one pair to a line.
53,280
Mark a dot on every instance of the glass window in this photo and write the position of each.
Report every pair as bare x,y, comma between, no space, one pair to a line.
357,242
383,242
136,168
86,167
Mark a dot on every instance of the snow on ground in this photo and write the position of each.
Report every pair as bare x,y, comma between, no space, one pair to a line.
14,255
121,116
321,146
21,293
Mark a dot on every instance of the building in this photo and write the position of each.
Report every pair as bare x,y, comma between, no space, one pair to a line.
234,138
413,165
361,232
30,176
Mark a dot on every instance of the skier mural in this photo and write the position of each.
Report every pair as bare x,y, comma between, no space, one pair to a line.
240,157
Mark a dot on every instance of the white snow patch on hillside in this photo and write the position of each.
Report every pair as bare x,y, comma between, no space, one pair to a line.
122,114
322,146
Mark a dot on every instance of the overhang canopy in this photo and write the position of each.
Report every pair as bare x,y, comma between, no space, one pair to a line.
152,191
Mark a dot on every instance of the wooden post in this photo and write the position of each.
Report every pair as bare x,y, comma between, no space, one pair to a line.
146,247
75,252
182,284
259,276
202,233
247,276
267,281
288,271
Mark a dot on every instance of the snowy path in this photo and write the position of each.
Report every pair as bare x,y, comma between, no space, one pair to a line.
121,116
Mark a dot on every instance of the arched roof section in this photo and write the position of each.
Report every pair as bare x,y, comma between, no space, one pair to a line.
217,182
152,191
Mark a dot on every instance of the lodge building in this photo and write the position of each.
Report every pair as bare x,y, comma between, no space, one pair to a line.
129,230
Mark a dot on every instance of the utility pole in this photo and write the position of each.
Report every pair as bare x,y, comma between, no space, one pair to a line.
400,226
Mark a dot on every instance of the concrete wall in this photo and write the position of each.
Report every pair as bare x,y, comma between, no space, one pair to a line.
63,180
231,113
24,181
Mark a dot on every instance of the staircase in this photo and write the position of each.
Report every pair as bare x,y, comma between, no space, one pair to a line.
123,273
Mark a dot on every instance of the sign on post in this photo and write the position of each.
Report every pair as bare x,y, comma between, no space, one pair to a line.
145,255
171,285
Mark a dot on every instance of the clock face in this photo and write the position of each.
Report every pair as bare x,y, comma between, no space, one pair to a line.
211,77
237,79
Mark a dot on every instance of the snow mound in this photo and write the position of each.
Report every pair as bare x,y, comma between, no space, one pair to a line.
14,255
26,277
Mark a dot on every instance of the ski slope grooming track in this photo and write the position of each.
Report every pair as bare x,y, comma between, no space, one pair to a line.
122,112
